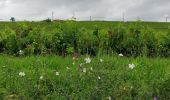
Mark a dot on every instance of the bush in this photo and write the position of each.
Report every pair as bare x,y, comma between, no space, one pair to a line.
87,42
66,38
164,44
9,41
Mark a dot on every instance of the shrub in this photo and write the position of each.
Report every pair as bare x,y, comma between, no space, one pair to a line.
116,38
87,42
164,44
9,41
133,41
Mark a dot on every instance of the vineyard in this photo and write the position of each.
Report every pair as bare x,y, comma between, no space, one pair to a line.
71,60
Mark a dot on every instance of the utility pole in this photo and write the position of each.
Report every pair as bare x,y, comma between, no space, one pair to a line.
123,17
52,16
73,17
90,18
166,18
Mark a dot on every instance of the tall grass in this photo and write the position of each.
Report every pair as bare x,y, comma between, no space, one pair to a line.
111,78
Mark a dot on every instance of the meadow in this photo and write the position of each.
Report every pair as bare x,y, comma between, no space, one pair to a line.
71,60
101,78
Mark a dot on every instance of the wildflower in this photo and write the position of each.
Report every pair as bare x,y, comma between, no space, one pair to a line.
131,66
91,68
84,70
124,88
109,98
99,77
120,55
22,74
87,60
73,58
41,77
68,68
21,52
101,60
57,73
81,64
155,98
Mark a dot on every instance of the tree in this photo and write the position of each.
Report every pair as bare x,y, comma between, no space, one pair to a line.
12,19
48,20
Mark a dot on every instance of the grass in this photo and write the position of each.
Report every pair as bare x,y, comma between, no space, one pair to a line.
111,78
158,26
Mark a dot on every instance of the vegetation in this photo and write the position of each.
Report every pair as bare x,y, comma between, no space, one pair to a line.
12,19
67,38
84,60
105,77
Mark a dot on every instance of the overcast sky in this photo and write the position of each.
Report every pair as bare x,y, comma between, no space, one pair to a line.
40,9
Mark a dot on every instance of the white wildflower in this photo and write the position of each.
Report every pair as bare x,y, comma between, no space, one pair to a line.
87,60
120,55
91,68
21,52
68,68
81,64
41,77
109,98
99,77
101,60
73,58
22,74
131,66
57,73
84,70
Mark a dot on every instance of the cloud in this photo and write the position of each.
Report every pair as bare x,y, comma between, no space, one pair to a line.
40,9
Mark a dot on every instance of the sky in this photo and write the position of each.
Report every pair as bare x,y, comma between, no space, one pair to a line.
155,10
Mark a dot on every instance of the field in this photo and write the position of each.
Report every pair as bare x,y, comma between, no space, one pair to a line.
54,77
84,60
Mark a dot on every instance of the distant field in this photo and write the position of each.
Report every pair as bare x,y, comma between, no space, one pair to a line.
160,26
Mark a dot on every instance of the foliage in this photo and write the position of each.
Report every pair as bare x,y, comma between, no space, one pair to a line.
12,19
67,37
